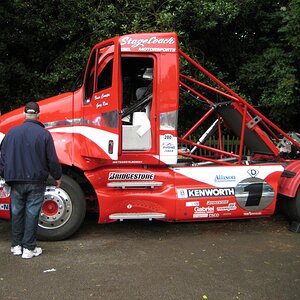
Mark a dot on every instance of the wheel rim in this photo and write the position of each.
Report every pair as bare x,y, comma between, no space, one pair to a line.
56,209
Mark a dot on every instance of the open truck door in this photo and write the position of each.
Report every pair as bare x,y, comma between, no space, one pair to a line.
102,102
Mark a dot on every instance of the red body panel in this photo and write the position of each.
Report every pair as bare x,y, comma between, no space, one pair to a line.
188,193
288,186
136,200
221,196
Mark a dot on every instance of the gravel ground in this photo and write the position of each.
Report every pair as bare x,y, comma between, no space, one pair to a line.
244,259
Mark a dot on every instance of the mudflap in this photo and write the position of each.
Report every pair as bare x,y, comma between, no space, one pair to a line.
295,227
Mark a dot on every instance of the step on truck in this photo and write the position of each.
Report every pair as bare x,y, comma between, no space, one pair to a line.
127,153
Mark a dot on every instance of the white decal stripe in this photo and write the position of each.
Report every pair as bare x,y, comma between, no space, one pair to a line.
98,136
208,174
2,135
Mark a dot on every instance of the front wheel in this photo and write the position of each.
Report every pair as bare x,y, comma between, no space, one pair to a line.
63,210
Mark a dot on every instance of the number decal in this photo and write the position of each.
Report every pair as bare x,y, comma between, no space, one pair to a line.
254,194
168,136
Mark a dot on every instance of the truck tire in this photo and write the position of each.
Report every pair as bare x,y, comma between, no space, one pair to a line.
63,210
292,207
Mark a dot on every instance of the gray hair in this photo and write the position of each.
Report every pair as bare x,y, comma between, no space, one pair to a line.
31,116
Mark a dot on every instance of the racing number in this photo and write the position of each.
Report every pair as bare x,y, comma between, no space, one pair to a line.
255,191
254,194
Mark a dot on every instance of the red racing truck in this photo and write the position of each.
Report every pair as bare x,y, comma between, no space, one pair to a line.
120,139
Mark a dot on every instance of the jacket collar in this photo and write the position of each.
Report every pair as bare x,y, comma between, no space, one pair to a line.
35,122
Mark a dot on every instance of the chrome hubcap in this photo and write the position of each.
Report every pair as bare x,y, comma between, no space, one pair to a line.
56,209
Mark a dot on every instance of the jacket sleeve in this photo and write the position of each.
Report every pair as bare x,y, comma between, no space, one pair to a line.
54,166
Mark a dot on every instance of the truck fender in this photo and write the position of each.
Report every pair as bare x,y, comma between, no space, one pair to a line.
290,180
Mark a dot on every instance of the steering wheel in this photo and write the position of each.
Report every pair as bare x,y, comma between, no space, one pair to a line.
138,106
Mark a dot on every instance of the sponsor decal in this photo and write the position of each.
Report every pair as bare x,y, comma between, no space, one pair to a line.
200,215
226,214
253,172
4,206
168,144
190,204
229,207
203,212
214,192
225,178
204,209
209,192
182,193
216,202
127,162
216,215
168,147
149,42
208,176
252,213
156,49
130,176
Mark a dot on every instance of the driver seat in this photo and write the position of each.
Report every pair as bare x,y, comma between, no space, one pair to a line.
138,135
141,92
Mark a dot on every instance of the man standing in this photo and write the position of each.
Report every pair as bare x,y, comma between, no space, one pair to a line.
27,157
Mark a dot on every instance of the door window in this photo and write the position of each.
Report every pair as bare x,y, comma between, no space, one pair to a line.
89,80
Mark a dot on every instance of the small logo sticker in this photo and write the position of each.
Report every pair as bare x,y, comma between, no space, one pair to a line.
253,172
4,206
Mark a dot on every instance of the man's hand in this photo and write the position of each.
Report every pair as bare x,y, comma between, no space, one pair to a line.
58,183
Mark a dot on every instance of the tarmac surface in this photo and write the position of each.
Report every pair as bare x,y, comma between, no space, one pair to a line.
244,259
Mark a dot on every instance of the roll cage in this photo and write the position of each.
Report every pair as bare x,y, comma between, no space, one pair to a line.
257,133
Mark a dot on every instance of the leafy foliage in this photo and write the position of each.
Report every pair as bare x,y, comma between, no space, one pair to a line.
252,45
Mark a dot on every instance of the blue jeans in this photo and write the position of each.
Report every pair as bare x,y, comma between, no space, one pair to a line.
26,202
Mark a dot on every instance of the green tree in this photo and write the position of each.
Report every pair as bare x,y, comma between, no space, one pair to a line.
252,45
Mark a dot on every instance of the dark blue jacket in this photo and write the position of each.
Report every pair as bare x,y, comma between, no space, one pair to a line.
28,154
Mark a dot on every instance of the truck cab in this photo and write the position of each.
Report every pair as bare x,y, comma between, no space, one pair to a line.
131,93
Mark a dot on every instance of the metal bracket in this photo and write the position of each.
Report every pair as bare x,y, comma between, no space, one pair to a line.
253,122
134,184
135,216
295,227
